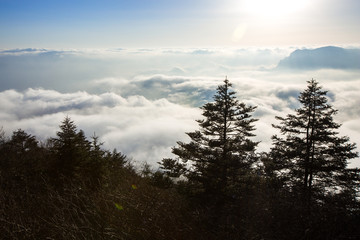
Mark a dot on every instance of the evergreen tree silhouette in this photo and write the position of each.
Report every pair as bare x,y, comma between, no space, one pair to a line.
310,155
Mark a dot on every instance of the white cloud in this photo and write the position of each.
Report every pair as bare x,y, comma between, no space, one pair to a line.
143,101
72,70
143,129
147,129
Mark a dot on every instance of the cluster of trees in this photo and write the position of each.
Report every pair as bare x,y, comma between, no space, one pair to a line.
301,189
70,188
217,186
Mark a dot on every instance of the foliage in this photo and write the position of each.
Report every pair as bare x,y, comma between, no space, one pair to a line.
220,154
73,189
217,187
311,154
311,160
218,162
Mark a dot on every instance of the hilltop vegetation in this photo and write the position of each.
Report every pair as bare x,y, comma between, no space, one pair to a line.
217,187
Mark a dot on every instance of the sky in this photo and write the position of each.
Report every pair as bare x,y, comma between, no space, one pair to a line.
169,23
136,72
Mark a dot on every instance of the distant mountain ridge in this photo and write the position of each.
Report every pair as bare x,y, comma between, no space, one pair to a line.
324,57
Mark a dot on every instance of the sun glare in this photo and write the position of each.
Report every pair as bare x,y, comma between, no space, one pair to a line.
273,8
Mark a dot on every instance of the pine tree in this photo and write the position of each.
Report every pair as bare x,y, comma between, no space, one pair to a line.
310,156
220,154
71,148
21,151
22,162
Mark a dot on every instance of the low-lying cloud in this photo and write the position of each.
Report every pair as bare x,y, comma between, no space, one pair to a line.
143,129
147,129
71,70
143,101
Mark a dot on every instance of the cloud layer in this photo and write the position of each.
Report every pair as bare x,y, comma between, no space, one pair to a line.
141,128
71,70
143,101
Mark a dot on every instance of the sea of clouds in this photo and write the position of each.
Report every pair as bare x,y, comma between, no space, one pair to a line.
142,101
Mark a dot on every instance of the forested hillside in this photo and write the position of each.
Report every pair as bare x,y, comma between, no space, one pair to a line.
217,186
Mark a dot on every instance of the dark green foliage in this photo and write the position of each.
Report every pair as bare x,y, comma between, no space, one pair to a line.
71,149
310,161
73,189
173,167
311,154
218,162
216,188
22,161
220,155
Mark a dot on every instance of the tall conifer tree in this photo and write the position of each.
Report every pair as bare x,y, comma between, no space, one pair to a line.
221,153
310,154
70,147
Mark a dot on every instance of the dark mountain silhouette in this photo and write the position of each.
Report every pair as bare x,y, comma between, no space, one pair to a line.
324,57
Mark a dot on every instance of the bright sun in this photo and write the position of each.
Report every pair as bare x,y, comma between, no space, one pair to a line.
273,8
270,15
